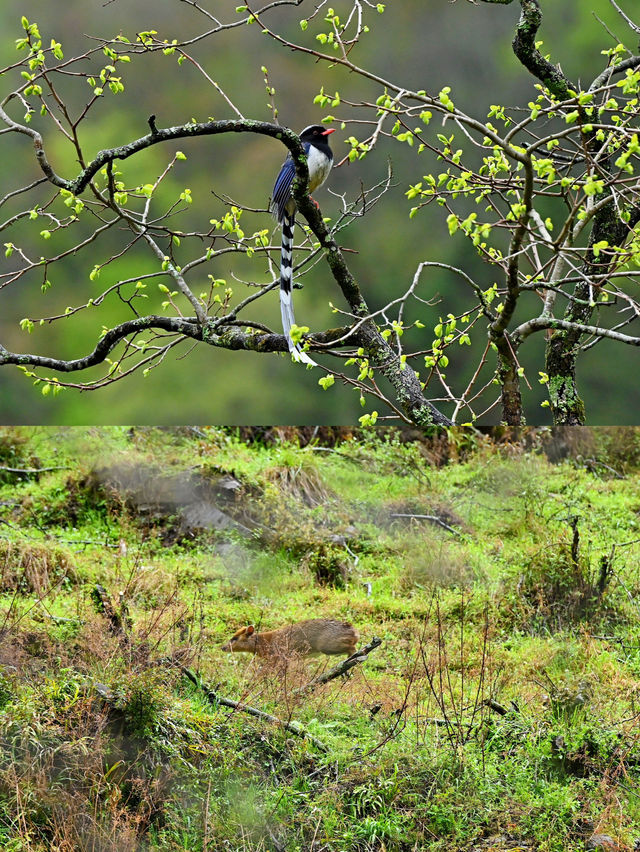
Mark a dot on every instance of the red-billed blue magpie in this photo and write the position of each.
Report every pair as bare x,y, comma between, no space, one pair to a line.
283,206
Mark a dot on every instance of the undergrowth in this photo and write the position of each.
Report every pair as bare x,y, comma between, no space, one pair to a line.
499,712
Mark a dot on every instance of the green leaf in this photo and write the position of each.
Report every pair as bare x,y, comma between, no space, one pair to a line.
597,247
298,331
368,419
326,382
56,47
445,100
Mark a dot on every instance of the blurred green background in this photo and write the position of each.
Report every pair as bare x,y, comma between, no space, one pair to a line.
423,44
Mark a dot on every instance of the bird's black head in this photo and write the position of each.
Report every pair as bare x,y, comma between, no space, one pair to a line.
316,134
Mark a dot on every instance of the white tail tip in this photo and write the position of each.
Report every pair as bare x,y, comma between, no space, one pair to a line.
298,355
288,319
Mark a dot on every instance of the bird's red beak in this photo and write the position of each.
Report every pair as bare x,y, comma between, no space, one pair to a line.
328,131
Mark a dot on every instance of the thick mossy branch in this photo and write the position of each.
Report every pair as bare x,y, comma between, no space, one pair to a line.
404,380
105,345
78,184
509,378
215,334
524,47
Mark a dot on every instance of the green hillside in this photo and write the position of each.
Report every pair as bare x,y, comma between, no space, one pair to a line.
500,710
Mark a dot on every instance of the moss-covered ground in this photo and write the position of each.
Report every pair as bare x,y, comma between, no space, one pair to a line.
500,711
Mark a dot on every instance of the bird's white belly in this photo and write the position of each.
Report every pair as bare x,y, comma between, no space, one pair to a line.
319,167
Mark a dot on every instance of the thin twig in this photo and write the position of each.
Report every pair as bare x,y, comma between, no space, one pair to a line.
214,699
434,519
342,668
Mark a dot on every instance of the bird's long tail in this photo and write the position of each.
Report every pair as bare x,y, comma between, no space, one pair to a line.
286,288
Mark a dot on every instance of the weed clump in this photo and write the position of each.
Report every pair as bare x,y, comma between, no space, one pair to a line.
561,587
15,455
33,568
430,561
300,482
327,565
75,502
621,447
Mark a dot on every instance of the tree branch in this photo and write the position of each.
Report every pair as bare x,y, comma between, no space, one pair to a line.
524,47
222,336
603,78
541,323
627,19
342,668
187,327
214,699
78,184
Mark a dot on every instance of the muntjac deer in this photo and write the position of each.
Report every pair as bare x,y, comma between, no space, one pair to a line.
316,636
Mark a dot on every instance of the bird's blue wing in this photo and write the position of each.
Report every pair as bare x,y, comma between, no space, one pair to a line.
282,188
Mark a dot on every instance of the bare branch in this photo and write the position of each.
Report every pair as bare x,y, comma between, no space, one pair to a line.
342,668
218,700
625,17
542,323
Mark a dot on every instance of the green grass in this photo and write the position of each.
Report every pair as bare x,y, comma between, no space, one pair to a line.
106,745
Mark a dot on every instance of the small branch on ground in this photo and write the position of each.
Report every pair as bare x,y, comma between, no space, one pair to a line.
342,668
497,708
434,519
214,699
104,606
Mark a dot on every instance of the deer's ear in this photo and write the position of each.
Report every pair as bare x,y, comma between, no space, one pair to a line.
250,630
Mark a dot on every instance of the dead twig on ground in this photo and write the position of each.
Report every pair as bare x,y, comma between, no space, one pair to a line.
434,519
342,668
215,699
